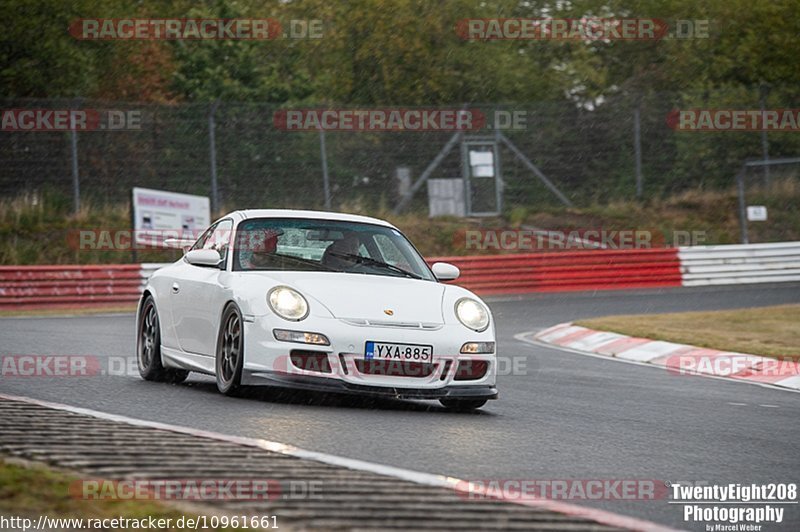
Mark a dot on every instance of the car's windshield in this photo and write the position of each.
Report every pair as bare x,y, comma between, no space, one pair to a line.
294,244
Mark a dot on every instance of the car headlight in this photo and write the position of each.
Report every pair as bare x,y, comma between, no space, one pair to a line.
288,303
472,314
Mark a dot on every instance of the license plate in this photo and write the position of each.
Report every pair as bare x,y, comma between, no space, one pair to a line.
402,352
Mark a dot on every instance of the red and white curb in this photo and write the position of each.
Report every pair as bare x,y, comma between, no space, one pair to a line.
678,359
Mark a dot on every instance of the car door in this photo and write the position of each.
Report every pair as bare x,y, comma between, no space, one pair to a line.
196,296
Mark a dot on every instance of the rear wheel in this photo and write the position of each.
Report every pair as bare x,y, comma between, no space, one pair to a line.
462,405
148,348
230,352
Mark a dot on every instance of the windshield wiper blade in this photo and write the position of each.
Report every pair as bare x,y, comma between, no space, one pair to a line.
374,262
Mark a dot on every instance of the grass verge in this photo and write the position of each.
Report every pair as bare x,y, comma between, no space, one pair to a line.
37,490
766,331
41,228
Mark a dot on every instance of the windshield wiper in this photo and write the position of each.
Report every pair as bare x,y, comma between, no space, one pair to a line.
373,262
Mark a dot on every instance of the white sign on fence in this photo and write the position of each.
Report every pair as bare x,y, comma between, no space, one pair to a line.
446,197
158,214
756,213
482,163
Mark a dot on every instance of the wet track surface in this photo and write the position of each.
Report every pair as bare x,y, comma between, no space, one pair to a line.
561,416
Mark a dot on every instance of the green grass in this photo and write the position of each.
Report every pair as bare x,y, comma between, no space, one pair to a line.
766,331
713,212
36,490
34,229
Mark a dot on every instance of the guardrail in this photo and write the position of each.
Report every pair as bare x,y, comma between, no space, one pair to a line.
69,286
740,264
76,286
563,271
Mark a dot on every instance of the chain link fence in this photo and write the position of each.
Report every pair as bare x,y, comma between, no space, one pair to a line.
620,148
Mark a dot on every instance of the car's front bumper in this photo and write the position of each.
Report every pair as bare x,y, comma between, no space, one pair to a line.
267,361
339,386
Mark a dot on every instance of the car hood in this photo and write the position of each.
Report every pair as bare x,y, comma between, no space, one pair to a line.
357,296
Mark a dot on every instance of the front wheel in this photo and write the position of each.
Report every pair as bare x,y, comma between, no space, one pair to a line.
462,405
148,348
230,352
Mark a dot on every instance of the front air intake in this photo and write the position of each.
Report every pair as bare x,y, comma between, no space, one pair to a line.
310,361
394,368
471,370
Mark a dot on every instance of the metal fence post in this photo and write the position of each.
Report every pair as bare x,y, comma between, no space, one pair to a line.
637,147
76,183
212,146
742,204
763,92
325,179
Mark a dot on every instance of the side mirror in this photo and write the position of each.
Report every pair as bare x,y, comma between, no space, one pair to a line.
445,271
204,257
179,243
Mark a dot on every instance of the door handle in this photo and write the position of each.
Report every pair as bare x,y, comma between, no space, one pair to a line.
175,288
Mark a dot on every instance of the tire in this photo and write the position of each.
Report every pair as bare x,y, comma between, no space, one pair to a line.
462,405
148,347
230,352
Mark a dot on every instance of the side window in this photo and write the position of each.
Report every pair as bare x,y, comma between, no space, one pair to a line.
220,238
200,243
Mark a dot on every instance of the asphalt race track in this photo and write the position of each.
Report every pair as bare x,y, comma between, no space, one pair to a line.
560,416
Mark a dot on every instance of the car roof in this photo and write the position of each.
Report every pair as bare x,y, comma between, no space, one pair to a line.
313,215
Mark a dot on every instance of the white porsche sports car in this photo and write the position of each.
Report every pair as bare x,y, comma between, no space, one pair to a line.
320,301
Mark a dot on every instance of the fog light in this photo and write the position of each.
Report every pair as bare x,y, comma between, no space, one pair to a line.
477,348
300,337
